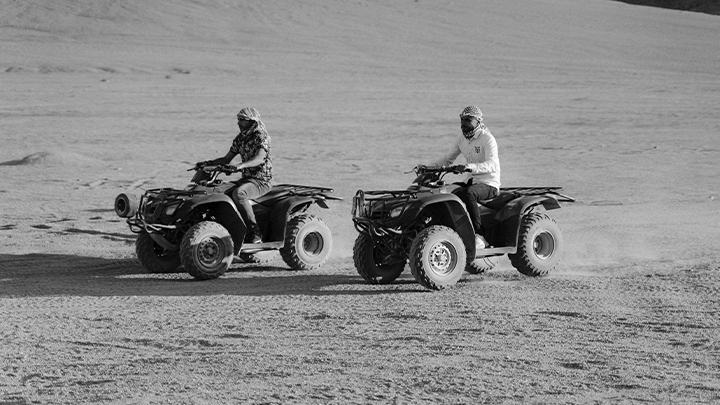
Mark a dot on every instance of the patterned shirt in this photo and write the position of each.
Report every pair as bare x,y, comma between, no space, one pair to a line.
248,145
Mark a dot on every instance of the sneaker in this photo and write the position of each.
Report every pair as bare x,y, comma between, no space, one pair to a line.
253,235
480,242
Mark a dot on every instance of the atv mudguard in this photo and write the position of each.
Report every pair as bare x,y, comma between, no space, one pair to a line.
449,210
282,211
225,212
509,219
520,206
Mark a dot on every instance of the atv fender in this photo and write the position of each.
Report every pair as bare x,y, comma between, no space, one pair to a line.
521,205
195,202
282,211
223,208
450,211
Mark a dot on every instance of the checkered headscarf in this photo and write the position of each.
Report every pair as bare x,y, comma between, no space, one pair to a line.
472,111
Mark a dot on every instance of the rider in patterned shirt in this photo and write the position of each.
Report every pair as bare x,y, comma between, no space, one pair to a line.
253,146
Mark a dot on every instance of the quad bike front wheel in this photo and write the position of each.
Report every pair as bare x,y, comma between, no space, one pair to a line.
308,242
372,264
155,258
437,257
206,250
540,244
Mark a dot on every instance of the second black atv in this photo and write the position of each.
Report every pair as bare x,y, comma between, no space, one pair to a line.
200,229
428,226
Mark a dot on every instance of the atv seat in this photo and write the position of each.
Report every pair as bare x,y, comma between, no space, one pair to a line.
496,203
274,192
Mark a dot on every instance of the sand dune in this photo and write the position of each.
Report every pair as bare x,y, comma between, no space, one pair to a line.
341,40
615,103
701,6
50,158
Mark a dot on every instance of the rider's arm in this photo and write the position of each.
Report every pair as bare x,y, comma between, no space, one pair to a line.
221,160
255,161
449,156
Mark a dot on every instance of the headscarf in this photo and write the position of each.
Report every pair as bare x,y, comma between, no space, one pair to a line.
474,111
251,114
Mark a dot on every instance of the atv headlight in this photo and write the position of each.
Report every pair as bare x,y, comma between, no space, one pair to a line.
171,209
396,212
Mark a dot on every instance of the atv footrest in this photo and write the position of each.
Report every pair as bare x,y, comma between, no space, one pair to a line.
255,247
491,251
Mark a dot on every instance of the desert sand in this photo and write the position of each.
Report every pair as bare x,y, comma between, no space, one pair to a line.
618,104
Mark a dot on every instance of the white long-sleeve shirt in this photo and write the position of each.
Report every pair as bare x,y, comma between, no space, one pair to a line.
481,154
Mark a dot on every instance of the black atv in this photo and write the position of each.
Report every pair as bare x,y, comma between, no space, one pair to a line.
429,226
200,229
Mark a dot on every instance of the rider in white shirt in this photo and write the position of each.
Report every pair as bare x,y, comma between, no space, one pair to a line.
480,150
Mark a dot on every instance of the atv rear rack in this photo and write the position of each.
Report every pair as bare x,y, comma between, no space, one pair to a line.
555,191
300,190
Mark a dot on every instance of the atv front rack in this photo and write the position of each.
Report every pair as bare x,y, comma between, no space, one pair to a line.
374,209
379,201
145,219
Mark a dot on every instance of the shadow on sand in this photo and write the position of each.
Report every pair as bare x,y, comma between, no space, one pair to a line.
42,275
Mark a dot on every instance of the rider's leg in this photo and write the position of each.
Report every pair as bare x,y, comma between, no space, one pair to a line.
471,195
242,195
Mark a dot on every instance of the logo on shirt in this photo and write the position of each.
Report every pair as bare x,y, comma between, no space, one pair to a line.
478,149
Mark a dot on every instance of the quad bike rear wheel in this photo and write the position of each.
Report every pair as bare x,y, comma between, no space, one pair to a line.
372,264
308,242
540,244
155,258
206,250
437,257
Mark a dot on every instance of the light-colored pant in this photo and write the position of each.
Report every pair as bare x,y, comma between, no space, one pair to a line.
246,191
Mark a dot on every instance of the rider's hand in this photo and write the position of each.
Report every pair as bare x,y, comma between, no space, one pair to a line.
457,169
200,165
231,168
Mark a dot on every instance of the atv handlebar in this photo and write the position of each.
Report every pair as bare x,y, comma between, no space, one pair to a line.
431,176
225,169
455,169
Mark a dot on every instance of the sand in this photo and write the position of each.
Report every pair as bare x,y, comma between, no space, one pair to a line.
615,103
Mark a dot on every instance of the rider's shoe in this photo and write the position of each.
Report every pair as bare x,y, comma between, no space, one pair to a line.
480,242
253,235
